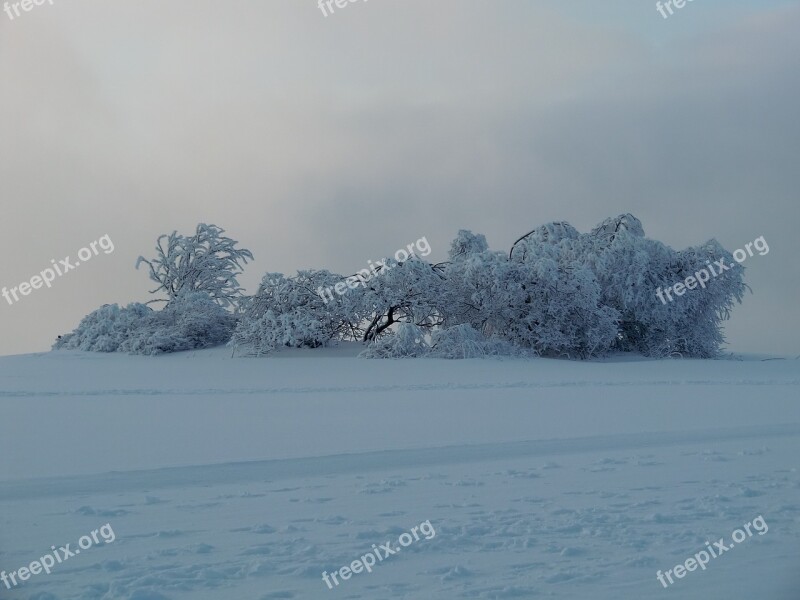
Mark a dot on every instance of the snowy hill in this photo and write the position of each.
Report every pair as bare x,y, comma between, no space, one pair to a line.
248,478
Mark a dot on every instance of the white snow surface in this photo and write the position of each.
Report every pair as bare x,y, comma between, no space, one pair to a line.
246,478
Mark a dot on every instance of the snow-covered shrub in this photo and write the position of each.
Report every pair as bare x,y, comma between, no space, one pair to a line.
205,262
464,341
104,329
257,334
406,341
191,322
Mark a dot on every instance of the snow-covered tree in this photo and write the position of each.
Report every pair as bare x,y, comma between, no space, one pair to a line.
608,229
205,262
630,268
291,312
407,292
550,234
539,296
690,325
467,244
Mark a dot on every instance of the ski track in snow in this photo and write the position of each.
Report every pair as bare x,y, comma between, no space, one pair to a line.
344,464
392,388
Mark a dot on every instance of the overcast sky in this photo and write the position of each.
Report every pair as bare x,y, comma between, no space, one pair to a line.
327,142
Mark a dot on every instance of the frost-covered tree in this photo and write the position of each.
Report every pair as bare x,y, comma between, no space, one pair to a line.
538,296
408,292
290,311
534,300
468,251
692,324
607,230
295,311
558,234
467,244
630,268
205,262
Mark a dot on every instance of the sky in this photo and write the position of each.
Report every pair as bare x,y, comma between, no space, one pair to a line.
326,142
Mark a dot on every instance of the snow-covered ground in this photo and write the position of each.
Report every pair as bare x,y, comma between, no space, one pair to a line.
237,479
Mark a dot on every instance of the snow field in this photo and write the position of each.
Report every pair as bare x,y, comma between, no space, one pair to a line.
247,478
